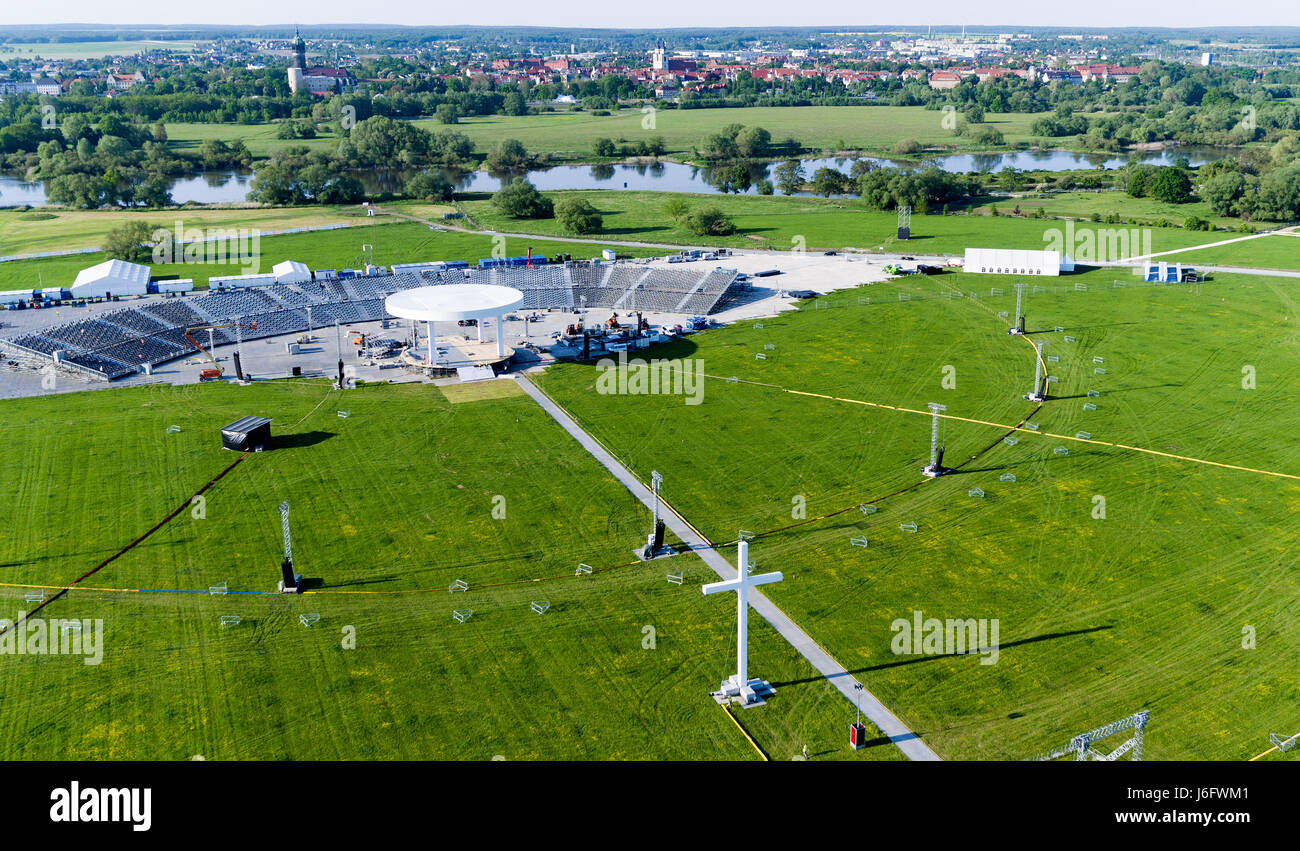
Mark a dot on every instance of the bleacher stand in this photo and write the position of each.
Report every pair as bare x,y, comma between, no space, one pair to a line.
120,343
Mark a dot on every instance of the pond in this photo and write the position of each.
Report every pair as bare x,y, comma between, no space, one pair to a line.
229,187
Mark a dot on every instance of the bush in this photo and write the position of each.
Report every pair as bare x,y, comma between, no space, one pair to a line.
908,146
520,200
710,221
126,242
1195,223
576,215
509,155
430,186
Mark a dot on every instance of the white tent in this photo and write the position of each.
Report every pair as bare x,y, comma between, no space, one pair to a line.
112,277
1006,261
291,272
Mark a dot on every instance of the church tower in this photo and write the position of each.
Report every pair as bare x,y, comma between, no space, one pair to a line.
657,57
298,67
299,51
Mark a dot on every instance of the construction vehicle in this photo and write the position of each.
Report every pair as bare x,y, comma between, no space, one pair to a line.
215,370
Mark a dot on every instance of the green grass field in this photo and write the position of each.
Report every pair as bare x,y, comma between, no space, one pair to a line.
260,138
398,497
779,221
394,242
30,232
1085,204
872,128
1099,617
1275,251
571,135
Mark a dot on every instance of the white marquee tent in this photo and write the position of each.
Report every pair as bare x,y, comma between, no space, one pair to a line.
291,272
1007,261
112,277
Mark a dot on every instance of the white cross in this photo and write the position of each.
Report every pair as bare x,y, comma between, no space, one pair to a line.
741,585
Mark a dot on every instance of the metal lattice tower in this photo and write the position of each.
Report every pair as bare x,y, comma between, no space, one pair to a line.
905,216
284,525
1020,293
1036,395
935,467
1081,746
935,408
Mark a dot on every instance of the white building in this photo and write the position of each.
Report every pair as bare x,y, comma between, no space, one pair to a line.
291,272
112,277
1006,261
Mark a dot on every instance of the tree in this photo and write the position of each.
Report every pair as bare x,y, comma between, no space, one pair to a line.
160,132
520,199
509,155
604,148
676,209
709,221
127,242
430,186
576,215
828,182
380,141
447,113
989,136
1171,185
1223,192
450,148
908,146
1279,194
764,187
790,176
514,104
753,142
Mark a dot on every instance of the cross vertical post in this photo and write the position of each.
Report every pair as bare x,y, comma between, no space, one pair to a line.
740,687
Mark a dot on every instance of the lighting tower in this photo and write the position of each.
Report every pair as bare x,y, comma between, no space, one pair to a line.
1019,327
935,467
1038,394
290,583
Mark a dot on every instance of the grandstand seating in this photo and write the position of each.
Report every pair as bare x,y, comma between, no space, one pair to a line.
117,343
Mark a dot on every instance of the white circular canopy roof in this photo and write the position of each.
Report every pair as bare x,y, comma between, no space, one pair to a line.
453,302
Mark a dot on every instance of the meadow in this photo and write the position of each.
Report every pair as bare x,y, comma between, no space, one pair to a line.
1085,204
1275,251
389,506
393,241
259,138
869,128
1145,598
58,229
787,222
571,135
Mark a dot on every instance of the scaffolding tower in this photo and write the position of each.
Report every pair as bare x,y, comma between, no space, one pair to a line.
1083,746
935,467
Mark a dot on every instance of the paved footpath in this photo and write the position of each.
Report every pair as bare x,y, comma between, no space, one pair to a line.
906,740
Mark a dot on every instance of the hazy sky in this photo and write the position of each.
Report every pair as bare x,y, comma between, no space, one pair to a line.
664,13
